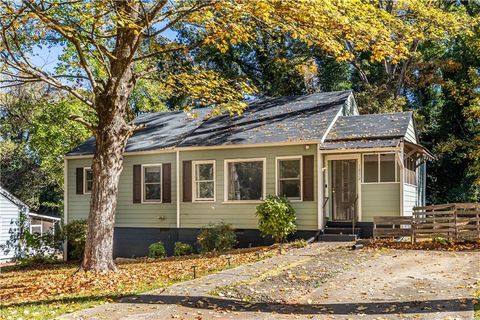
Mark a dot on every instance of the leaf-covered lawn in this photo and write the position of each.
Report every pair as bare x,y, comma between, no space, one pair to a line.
477,304
48,291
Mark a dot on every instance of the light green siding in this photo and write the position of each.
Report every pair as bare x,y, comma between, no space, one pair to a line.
242,215
380,199
193,215
129,214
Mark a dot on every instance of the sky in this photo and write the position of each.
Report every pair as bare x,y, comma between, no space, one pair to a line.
46,58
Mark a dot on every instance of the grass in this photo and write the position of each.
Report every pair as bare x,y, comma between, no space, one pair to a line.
47,291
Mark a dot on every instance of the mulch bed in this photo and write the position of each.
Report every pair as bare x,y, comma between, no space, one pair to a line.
424,245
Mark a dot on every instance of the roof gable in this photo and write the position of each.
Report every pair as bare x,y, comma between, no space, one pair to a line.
7,195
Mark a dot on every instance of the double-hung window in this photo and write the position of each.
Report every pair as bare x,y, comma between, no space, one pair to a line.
203,180
380,167
245,180
87,180
289,173
152,183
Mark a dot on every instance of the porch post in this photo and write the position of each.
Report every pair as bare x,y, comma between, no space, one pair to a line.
320,188
402,174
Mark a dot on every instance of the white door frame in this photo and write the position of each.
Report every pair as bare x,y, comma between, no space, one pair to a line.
328,190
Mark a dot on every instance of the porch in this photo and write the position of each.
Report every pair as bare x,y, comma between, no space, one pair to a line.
360,184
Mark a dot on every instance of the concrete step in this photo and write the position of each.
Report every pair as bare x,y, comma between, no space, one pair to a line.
329,230
337,237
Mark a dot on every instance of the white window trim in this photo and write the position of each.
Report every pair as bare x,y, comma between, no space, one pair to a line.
85,180
378,168
36,225
143,184
277,175
225,181
194,181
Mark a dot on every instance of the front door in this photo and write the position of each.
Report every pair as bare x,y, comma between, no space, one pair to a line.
344,189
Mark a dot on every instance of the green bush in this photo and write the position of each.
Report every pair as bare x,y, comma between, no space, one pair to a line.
182,249
75,234
217,237
276,218
157,250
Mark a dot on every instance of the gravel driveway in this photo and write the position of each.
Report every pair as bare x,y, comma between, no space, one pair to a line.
321,281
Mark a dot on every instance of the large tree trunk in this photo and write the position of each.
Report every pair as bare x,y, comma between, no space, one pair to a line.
107,166
111,134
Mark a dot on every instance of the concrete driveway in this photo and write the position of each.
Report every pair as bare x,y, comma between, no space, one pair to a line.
321,281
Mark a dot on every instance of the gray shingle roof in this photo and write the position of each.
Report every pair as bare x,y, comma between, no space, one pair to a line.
162,130
368,131
371,126
360,144
282,119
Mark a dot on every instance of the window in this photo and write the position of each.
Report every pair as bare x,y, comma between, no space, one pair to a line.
411,170
152,183
36,228
245,180
380,167
87,180
289,173
370,168
203,180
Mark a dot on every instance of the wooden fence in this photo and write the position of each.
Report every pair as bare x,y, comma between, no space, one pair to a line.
452,221
455,221
392,227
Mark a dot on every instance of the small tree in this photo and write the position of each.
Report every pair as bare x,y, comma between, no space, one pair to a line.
276,218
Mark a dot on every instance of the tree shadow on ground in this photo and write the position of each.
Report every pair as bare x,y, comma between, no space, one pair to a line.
368,308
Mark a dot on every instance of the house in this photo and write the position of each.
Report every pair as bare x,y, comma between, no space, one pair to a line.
10,210
182,173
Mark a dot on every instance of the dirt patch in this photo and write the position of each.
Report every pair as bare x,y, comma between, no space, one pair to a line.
440,245
286,282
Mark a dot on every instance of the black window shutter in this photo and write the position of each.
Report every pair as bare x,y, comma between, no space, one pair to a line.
187,181
308,178
137,183
166,182
79,181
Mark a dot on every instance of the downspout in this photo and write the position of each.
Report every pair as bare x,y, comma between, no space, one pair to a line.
177,185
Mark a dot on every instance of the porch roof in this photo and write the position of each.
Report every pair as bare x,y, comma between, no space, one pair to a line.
360,144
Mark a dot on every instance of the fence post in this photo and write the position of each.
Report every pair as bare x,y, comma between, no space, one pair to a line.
478,223
455,221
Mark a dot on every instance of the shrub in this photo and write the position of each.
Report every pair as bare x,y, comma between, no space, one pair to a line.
157,250
441,241
217,237
75,233
182,249
276,218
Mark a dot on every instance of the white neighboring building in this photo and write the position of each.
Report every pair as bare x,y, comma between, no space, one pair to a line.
10,209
